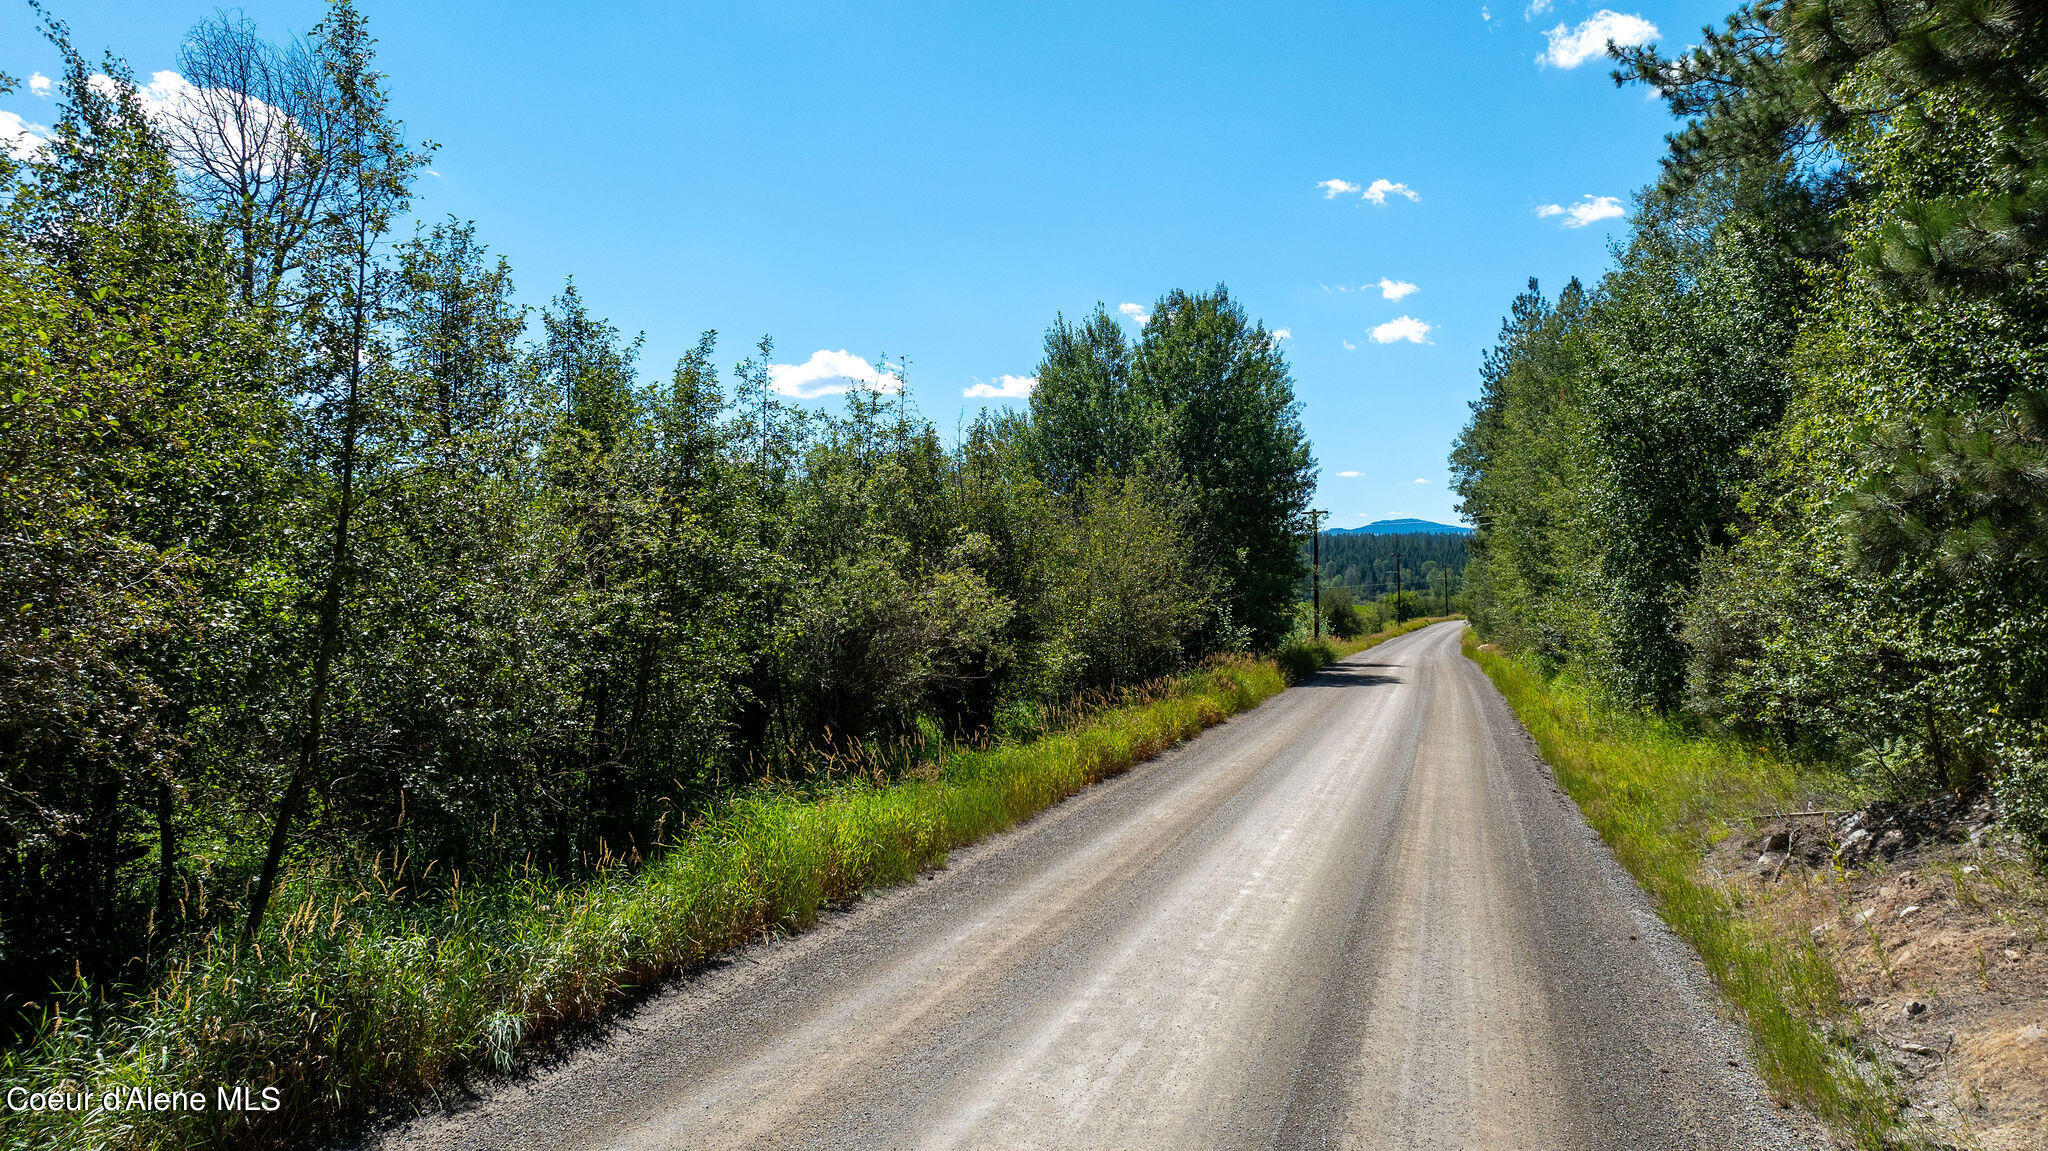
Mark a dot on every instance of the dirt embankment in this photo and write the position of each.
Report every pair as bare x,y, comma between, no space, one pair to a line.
1939,930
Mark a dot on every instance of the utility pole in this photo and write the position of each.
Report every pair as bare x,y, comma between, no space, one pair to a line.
1315,549
1398,581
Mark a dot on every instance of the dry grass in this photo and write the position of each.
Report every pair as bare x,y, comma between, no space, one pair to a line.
1962,931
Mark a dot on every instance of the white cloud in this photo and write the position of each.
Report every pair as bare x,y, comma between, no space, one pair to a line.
1404,328
164,92
19,138
1589,209
1395,289
1373,193
1571,47
1421,481
1136,312
1347,475
1485,13
1280,334
831,374
1380,189
1005,388
171,100
1537,8
1348,345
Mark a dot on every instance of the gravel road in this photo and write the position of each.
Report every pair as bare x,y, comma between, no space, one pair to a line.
1359,916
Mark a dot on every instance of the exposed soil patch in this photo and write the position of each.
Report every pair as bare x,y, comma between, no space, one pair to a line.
1939,931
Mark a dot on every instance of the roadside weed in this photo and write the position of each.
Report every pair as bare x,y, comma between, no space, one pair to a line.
358,991
1658,793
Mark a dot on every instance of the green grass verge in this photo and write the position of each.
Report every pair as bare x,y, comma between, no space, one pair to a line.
1660,793
355,994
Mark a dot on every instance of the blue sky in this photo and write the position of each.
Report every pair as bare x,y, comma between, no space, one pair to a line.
936,181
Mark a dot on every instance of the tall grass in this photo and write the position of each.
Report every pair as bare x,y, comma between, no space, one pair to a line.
356,992
1659,793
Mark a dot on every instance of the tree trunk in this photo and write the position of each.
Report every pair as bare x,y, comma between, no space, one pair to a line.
316,702
166,854
330,620
107,873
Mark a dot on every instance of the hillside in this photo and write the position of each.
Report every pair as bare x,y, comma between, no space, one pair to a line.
1402,527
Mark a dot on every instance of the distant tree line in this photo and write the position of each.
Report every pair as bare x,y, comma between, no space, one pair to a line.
1786,465
1365,565
1370,581
317,547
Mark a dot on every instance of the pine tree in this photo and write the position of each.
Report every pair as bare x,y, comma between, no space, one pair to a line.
1790,85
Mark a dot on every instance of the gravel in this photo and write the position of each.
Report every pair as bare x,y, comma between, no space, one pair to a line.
1359,916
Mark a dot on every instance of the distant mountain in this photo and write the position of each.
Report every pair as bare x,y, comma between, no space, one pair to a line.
1408,527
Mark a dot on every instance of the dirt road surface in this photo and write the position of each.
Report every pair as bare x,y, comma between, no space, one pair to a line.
1359,916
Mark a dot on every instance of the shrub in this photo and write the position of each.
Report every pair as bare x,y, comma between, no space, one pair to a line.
1302,658
1341,615
357,989
2023,801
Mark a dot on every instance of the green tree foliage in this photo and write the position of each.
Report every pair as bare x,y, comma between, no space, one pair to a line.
1688,340
1803,82
141,437
318,551
1228,430
1204,402
1520,466
352,417
1784,467
1340,613
1102,574
1134,601
1087,418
